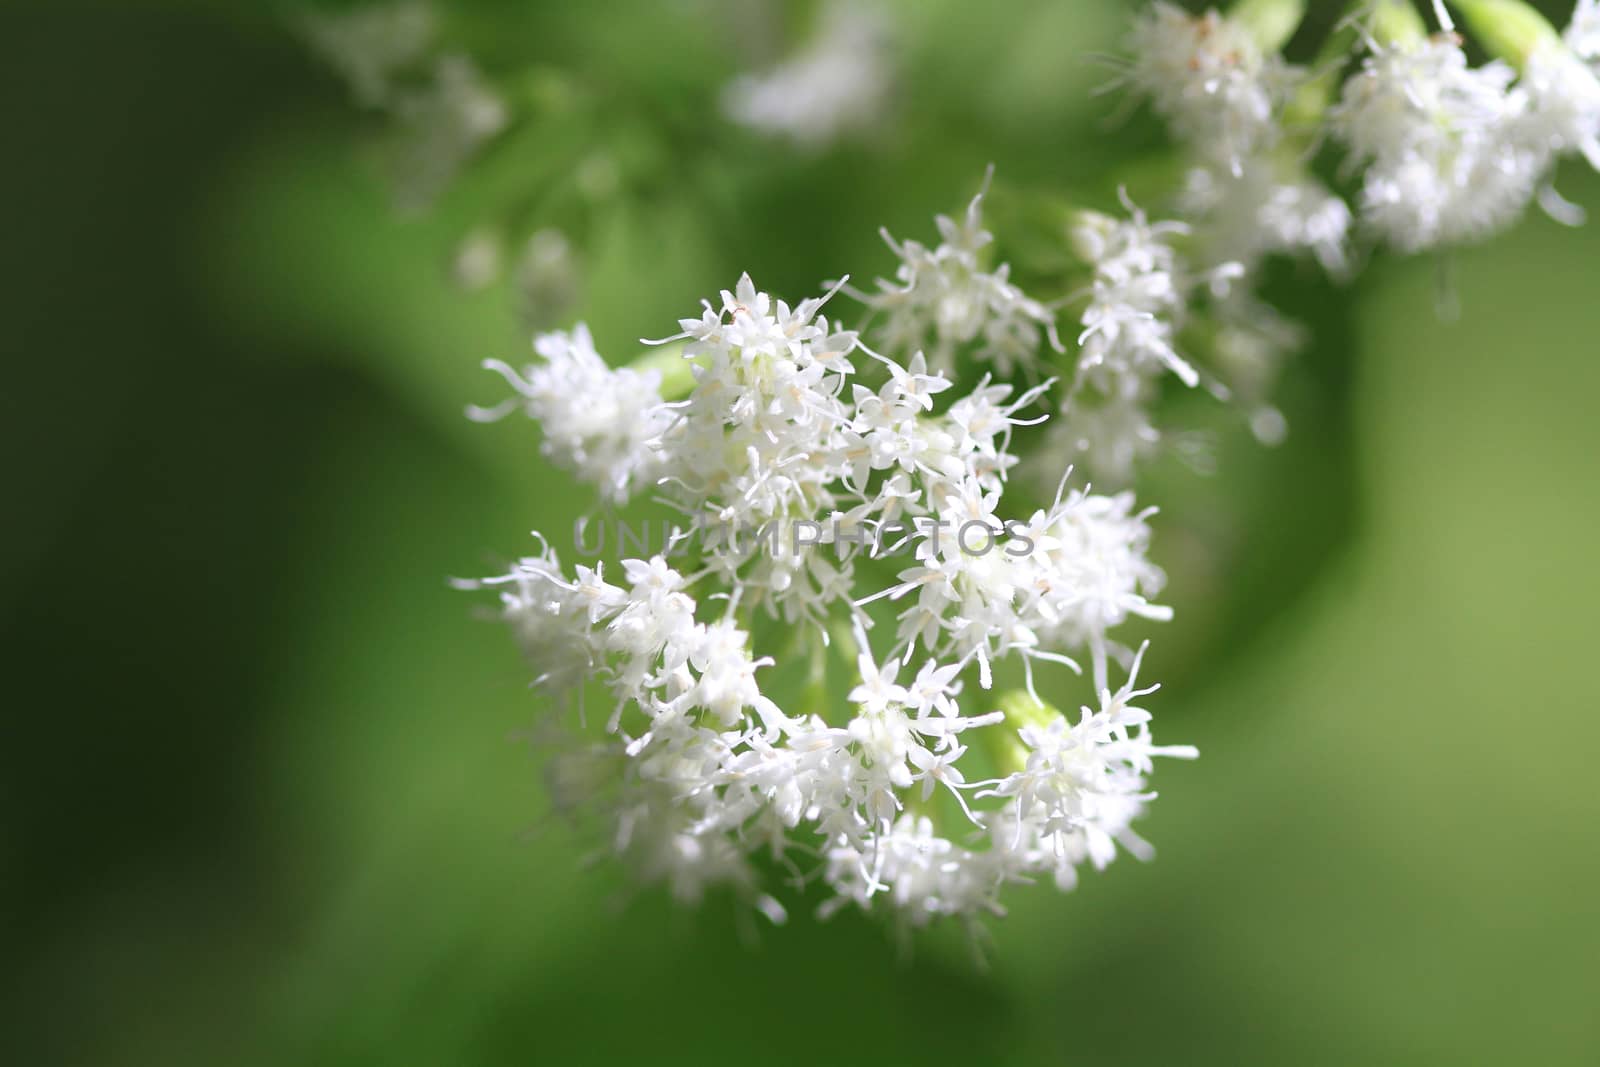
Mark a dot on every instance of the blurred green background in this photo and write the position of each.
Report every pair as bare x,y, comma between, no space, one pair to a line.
265,801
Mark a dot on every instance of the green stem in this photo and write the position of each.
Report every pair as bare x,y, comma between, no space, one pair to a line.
815,696
1316,94
1508,29
1270,22
1396,22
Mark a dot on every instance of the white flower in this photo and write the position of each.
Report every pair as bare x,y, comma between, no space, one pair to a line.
1138,295
1268,208
1564,103
965,584
660,841
1082,784
935,689
726,685
598,422
943,299
553,619
1439,140
1138,302
877,690
837,84
1248,194
1207,76
762,439
925,876
936,768
655,613
1090,571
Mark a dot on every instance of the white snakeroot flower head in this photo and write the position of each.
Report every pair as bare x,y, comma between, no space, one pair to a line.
1271,207
924,875
1137,303
551,617
967,599
703,768
837,84
1564,93
1063,580
1138,294
1091,571
1248,194
1563,115
598,421
762,439
1083,784
1439,140
942,299
1207,76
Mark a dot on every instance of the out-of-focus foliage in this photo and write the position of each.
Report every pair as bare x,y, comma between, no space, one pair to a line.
269,799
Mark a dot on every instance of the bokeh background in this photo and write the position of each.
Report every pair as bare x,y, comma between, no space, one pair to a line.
264,798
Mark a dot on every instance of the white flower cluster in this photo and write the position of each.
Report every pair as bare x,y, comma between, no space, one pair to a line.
1433,133
1447,152
943,300
1247,191
764,441
1140,298
1271,207
1454,153
597,421
706,778
1220,93
837,84
1136,304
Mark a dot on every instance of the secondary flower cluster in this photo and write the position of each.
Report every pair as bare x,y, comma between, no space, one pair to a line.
708,779
1447,152
1137,302
1455,152
603,439
836,84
